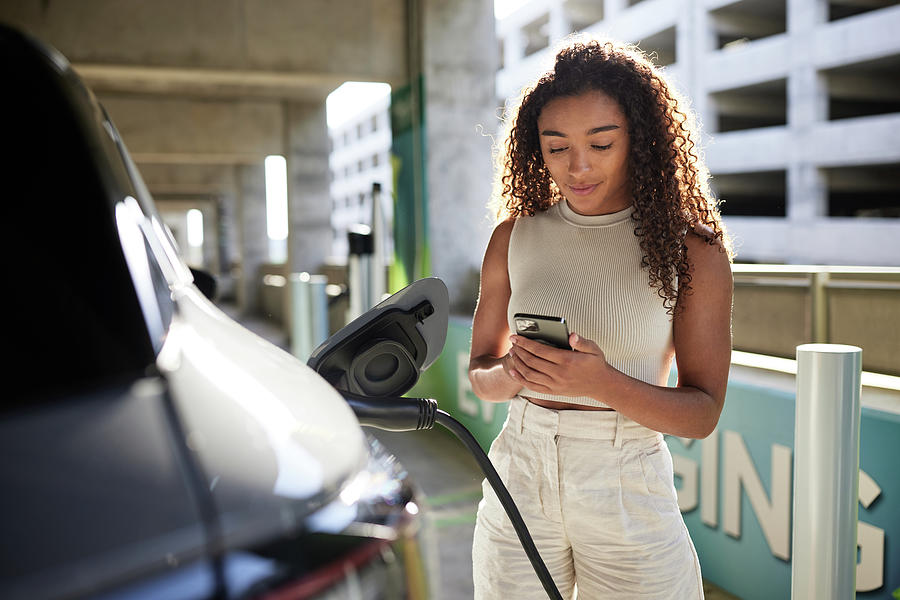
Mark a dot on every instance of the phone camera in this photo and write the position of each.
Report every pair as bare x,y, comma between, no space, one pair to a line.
527,325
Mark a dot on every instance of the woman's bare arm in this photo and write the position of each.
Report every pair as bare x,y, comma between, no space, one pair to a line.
489,359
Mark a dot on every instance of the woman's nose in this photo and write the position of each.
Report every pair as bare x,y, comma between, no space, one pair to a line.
578,162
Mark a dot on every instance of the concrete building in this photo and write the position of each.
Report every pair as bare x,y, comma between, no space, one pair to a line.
360,157
799,101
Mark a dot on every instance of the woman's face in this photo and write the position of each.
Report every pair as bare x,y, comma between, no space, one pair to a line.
584,142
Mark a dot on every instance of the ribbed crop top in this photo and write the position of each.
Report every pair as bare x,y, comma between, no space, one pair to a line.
587,269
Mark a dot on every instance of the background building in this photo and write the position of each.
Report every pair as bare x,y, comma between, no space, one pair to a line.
799,102
360,157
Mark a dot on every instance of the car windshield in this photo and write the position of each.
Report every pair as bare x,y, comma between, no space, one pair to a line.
76,317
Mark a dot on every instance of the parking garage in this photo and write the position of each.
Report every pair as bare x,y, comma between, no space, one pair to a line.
202,96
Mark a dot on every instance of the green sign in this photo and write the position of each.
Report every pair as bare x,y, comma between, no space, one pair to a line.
411,259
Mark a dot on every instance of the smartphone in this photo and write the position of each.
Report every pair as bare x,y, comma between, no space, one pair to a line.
549,330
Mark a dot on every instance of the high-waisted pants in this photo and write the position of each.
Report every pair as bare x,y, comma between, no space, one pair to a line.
596,491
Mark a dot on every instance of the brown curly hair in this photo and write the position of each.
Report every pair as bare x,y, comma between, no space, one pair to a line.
668,179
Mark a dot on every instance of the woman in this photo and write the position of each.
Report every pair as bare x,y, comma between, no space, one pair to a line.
606,220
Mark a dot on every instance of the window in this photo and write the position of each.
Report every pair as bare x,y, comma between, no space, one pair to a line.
864,191
760,105
863,89
756,194
841,9
537,34
748,20
660,46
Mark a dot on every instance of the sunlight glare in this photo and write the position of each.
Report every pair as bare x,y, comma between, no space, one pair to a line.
351,98
195,228
504,8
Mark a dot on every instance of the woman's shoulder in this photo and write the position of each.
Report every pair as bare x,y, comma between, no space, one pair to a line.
521,225
702,235
707,253
499,242
504,228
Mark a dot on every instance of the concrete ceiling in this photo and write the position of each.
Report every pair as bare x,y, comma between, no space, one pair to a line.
223,48
195,86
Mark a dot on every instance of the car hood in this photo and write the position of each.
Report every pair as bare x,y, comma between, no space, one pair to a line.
274,440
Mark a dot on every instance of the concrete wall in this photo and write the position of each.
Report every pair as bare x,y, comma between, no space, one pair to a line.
460,63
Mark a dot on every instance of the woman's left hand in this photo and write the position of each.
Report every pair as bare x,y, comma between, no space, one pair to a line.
544,368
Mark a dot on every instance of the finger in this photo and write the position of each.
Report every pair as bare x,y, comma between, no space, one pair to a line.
539,349
531,360
509,364
528,372
581,344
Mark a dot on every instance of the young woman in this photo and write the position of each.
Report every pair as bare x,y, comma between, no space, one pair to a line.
605,219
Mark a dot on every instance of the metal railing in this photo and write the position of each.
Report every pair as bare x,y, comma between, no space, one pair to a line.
819,304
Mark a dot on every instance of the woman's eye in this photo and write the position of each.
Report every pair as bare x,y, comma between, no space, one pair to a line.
555,150
606,147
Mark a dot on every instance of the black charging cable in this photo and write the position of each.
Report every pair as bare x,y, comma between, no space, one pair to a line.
413,414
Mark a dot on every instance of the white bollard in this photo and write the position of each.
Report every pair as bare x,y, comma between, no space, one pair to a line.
309,322
826,471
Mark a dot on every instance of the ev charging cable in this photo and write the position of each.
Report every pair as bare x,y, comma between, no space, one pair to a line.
413,414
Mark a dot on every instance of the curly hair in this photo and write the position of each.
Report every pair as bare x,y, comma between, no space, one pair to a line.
668,179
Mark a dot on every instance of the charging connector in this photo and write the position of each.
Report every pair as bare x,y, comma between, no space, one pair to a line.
393,414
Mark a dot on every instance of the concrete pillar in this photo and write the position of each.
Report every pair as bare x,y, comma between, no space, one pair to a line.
228,239
807,106
612,9
253,239
460,63
514,48
309,198
227,233
211,260
807,193
559,24
695,36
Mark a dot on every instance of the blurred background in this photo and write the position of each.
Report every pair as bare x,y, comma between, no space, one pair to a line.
352,140
268,130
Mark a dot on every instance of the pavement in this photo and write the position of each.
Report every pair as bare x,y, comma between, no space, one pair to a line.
450,481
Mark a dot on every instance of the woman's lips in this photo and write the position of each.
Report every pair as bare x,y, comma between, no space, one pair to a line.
582,190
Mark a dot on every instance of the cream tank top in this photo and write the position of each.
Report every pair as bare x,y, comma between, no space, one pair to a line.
587,269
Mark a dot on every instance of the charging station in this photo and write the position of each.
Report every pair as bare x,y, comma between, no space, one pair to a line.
378,357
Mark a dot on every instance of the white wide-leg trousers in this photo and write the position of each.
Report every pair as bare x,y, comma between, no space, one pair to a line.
596,491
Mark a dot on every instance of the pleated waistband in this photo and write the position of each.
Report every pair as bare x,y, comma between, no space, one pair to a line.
589,424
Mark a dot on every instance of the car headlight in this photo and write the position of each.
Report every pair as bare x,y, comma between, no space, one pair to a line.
370,543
